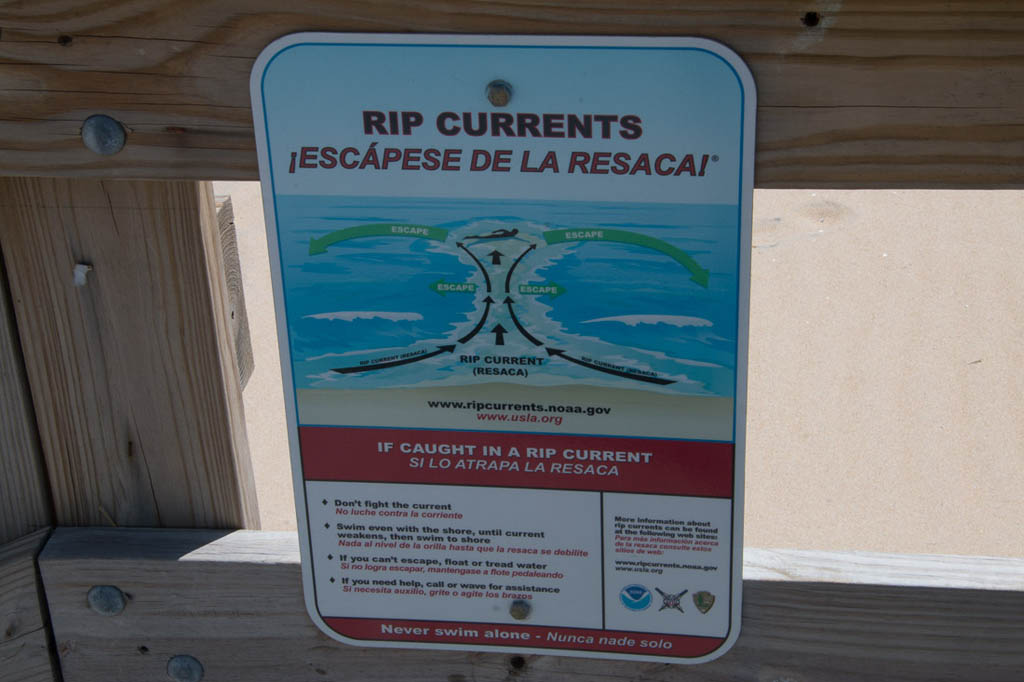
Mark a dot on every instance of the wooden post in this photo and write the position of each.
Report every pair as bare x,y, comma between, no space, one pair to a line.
122,310
26,652
25,641
239,318
24,492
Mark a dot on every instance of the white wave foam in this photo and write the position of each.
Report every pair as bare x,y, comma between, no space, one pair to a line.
324,379
350,315
674,320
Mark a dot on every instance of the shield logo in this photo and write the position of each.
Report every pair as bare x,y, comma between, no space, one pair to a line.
703,601
671,601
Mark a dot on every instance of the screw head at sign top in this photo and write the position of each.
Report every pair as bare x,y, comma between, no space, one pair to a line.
499,93
184,668
106,600
103,135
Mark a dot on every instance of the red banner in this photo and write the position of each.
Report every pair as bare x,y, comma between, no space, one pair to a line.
517,460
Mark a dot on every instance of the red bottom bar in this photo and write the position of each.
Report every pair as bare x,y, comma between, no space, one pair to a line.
526,636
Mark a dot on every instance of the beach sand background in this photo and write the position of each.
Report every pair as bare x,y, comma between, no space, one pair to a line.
886,371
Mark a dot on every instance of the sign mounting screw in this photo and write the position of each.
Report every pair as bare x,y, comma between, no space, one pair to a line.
520,609
499,93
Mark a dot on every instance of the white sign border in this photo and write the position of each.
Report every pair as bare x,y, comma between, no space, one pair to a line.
743,307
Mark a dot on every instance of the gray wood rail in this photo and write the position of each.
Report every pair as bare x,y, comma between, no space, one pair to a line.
233,601
861,93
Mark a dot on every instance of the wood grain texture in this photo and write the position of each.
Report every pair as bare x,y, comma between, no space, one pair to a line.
24,490
239,318
25,653
234,601
133,375
874,93
879,568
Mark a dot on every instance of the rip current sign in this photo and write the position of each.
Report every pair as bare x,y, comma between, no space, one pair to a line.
511,279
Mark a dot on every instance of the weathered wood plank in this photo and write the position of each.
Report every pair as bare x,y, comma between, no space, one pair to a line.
868,568
239,317
234,601
24,490
133,373
25,654
861,93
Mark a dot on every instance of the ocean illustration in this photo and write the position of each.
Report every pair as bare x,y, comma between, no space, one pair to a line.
387,293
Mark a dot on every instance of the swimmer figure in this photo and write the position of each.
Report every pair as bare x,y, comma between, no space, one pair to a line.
497,234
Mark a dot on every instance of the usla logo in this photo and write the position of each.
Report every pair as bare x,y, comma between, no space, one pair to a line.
635,597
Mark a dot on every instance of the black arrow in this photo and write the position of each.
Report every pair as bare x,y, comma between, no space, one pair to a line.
608,370
395,363
480,324
478,264
499,334
515,320
495,257
508,277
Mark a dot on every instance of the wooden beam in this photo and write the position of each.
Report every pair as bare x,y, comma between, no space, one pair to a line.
861,93
132,366
234,602
25,642
867,568
24,490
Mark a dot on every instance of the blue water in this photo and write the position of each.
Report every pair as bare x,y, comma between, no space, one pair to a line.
369,300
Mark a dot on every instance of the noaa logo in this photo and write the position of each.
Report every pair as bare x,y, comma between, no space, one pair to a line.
635,597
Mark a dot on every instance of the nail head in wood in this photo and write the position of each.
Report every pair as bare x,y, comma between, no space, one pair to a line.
106,600
103,135
184,668
79,272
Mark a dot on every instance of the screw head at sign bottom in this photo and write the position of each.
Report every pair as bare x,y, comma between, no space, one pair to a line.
520,609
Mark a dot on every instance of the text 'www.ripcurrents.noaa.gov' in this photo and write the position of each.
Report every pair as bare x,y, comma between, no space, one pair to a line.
520,412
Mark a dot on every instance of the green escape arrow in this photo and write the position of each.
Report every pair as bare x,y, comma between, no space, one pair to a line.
442,287
319,245
699,274
550,289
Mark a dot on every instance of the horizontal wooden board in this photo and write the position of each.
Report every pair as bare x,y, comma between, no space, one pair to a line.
880,568
862,93
234,602
25,654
